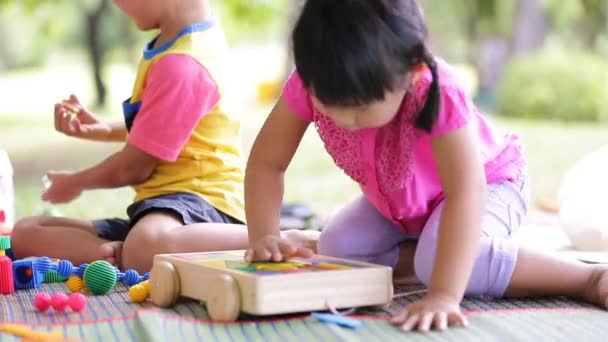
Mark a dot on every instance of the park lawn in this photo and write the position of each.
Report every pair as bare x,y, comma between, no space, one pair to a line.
26,132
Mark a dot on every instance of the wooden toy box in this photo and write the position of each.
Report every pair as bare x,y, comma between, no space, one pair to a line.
229,285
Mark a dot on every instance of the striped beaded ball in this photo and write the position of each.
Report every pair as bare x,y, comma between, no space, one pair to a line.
74,284
53,277
100,277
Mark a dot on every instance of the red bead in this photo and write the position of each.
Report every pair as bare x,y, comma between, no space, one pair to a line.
77,301
59,301
42,301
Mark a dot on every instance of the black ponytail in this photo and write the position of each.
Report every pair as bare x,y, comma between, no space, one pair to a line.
427,116
351,52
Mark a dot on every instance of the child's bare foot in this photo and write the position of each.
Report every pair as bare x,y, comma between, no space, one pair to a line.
597,290
111,252
302,238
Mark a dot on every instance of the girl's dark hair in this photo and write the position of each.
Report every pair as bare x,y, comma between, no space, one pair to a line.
350,52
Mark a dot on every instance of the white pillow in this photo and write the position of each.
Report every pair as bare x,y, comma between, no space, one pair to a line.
583,202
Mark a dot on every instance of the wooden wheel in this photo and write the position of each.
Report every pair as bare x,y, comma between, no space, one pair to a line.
164,284
223,300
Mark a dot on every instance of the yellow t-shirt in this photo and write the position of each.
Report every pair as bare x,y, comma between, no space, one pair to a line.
210,163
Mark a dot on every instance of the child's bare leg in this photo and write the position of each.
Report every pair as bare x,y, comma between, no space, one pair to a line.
403,273
57,237
162,232
544,275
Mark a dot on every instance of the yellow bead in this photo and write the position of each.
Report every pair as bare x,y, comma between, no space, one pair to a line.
146,285
138,293
75,284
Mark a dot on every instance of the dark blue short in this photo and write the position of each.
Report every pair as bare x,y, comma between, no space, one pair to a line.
188,207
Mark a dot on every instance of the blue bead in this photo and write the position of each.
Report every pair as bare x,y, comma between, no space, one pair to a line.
81,269
44,265
131,277
65,268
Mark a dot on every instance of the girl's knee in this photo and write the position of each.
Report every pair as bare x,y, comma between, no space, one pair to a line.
332,243
494,267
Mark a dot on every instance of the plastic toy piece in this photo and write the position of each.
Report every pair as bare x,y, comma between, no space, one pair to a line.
44,265
131,277
25,274
228,285
66,269
59,301
342,321
53,277
77,302
75,284
7,283
29,335
5,243
140,292
42,301
100,277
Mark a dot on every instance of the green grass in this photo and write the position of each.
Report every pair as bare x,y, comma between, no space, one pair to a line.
312,178
27,134
552,148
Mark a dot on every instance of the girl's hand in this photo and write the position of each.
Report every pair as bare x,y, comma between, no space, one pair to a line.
62,189
73,120
433,310
274,248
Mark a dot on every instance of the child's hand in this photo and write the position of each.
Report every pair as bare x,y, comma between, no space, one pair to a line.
433,310
73,120
274,248
62,188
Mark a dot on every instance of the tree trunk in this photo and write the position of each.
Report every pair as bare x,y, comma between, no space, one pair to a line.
129,42
593,22
94,44
530,27
529,33
292,17
493,55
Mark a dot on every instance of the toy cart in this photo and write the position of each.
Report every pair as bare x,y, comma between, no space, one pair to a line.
229,286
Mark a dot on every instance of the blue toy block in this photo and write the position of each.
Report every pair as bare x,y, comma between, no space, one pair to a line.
26,275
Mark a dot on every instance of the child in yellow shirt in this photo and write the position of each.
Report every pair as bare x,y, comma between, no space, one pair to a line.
182,153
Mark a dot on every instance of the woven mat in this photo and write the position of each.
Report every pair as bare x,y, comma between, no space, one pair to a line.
113,317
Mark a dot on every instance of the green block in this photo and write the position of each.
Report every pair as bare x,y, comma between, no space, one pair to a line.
54,277
5,243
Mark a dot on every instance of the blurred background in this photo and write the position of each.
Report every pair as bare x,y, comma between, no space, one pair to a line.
536,67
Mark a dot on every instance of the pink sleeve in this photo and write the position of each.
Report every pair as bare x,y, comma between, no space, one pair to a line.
297,98
456,111
178,93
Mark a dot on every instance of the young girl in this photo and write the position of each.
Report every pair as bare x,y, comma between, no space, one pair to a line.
182,153
443,193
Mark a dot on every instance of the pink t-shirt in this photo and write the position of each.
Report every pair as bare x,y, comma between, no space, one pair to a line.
394,164
178,93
